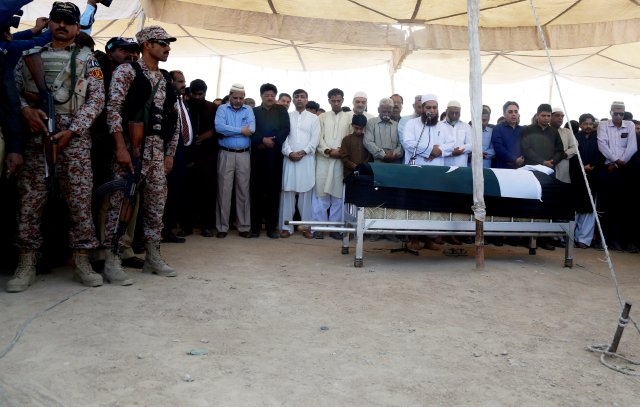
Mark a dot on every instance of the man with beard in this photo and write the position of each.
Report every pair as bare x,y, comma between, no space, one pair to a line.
617,142
426,143
175,211
461,132
593,162
203,158
360,105
138,91
299,167
79,96
272,128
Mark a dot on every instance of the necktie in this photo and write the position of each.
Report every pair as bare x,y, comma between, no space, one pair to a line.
184,125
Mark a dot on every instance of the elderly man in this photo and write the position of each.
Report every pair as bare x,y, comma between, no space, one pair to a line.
398,101
138,92
617,142
236,123
334,126
568,143
299,167
461,132
360,105
381,135
506,138
75,111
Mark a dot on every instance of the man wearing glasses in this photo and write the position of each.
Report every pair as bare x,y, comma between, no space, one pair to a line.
617,142
132,86
73,77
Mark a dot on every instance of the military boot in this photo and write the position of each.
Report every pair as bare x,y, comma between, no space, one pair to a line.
83,271
25,273
113,271
154,263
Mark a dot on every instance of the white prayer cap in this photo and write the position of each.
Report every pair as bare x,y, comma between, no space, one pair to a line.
360,94
617,105
426,98
454,103
237,87
557,110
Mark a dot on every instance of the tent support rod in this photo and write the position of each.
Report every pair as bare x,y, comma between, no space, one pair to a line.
142,19
219,76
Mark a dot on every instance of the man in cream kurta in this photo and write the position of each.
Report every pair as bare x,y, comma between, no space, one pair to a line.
299,166
335,125
568,142
460,131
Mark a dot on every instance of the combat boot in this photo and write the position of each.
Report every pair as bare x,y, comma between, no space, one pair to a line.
113,271
83,271
154,263
25,273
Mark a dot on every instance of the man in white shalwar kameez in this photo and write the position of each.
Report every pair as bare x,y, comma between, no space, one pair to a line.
299,166
424,141
334,126
461,132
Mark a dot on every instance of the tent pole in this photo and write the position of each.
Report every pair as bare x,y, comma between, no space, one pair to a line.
219,76
475,90
142,18
392,78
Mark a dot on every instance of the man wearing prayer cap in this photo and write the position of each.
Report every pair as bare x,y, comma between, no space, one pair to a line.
617,142
568,142
78,92
235,122
132,86
360,104
461,132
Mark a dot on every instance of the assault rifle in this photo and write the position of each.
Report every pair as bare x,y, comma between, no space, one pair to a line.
129,184
33,61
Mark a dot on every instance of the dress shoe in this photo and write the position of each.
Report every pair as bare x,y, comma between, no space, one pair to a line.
272,234
335,235
221,235
616,247
255,233
581,245
307,234
430,244
172,238
318,235
206,233
285,234
246,234
631,248
545,244
132,262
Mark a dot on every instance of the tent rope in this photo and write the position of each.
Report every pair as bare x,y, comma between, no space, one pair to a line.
614,279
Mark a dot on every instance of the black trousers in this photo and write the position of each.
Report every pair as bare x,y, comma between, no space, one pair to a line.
266,184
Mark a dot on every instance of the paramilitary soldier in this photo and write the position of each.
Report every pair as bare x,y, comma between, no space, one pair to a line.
74,78
132,87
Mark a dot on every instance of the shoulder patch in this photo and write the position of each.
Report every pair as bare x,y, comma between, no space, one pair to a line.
93,63
97,74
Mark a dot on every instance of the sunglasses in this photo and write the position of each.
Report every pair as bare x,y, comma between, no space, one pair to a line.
621,114
63,19
162,43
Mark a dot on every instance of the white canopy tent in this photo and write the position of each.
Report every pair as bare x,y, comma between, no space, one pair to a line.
403,46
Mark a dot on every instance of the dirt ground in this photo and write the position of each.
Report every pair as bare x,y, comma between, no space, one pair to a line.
293,323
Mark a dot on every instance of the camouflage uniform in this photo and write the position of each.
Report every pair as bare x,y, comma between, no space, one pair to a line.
155,189
74,161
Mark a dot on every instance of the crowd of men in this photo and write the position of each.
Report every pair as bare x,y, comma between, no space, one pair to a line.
137,156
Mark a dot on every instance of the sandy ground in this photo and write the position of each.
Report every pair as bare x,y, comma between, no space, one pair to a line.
293,323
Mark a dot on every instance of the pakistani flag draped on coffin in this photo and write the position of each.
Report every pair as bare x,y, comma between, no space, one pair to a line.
508,193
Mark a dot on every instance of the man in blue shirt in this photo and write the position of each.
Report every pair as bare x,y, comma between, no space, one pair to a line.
506,138
236,123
